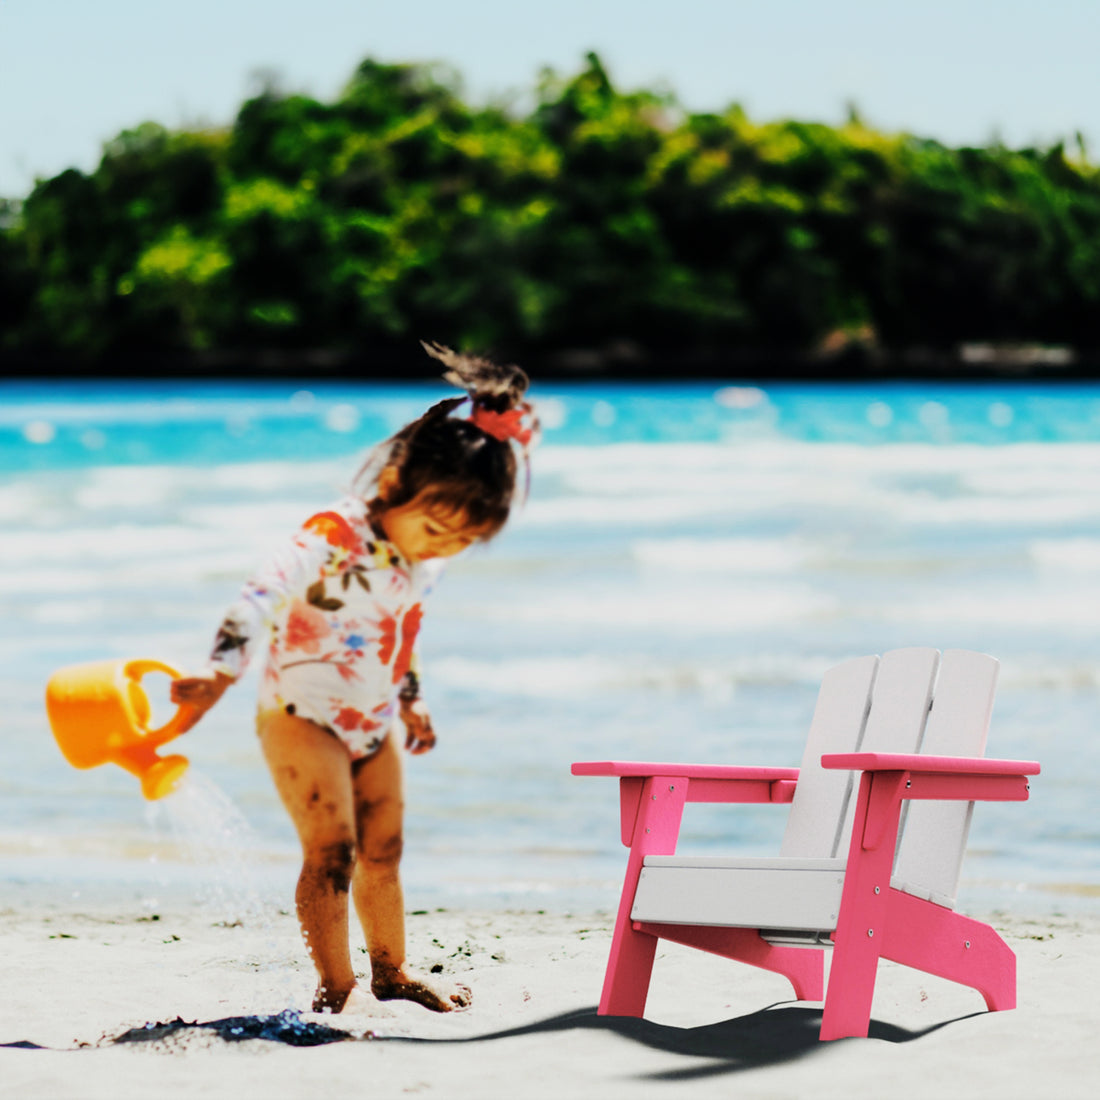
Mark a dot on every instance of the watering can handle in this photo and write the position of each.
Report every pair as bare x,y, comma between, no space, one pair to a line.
134,671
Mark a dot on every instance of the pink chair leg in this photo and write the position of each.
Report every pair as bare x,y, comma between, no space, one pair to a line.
864,909
629,969
630,965
852,973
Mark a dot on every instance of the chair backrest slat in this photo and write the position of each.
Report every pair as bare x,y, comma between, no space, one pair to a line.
821,797
909,701
899,711
934,833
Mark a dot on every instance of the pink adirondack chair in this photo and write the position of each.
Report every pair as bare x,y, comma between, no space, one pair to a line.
915,727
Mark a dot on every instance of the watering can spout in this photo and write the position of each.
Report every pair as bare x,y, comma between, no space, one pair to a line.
99,714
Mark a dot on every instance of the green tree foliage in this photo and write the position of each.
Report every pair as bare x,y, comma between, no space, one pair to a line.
398,211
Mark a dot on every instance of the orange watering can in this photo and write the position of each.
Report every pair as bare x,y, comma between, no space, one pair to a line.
99,713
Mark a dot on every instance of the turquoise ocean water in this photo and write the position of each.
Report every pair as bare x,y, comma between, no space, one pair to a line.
692,557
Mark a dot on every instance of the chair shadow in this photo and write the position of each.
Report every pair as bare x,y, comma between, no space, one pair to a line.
773,1035
779,1033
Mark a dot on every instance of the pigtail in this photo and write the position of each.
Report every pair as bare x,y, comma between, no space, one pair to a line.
496,397
495,386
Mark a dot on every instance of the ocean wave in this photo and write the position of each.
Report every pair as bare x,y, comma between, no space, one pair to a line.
732,609
595,673
18,502
618,460
1068,608
300,408
1015,485
727,555
142,486
1075,554
112,545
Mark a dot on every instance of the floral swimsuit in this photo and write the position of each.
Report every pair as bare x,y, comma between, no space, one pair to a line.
340,608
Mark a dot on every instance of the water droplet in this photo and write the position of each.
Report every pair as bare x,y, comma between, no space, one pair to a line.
740,397
603,414
342,418
552,413
934,415
39,431
879,414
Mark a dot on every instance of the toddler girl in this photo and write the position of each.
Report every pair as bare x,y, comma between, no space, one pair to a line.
337,612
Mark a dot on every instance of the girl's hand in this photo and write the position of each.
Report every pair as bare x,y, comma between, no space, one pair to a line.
198,694
419,735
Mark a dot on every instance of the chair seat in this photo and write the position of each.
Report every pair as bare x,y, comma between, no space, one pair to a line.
740,892
768,892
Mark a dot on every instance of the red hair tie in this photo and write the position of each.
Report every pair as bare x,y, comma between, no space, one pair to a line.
504,425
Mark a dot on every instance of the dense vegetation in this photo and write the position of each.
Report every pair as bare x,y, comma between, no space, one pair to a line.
599,219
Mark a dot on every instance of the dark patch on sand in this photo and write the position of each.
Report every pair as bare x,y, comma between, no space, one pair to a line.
287,1027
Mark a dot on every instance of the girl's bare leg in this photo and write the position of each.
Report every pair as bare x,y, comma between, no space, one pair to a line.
376,885
312,773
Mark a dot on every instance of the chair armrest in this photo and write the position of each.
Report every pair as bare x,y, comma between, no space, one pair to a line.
705,782
958,778
723,783
914,762
622,769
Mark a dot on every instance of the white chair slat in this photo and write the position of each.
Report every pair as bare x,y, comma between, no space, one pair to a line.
899,711
821,797
934,833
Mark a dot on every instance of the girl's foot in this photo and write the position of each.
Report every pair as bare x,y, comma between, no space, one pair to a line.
400,984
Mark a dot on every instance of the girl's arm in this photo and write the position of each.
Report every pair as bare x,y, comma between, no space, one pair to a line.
199,693
248,621
419,734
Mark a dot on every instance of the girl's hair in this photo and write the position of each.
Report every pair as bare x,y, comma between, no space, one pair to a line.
459,464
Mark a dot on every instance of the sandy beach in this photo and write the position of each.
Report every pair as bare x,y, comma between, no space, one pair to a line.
79,978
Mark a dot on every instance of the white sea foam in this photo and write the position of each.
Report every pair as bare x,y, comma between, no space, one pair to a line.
618,461
267,520
903,483
615,510
733,608
137,486
726,555
173,410
69,612
111,545
58,581
18,501
1023,510
1077,555
592,674
1063,609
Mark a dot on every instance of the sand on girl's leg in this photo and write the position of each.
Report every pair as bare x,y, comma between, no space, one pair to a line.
391,984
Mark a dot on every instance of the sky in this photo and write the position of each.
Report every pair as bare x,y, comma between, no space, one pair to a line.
74,73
